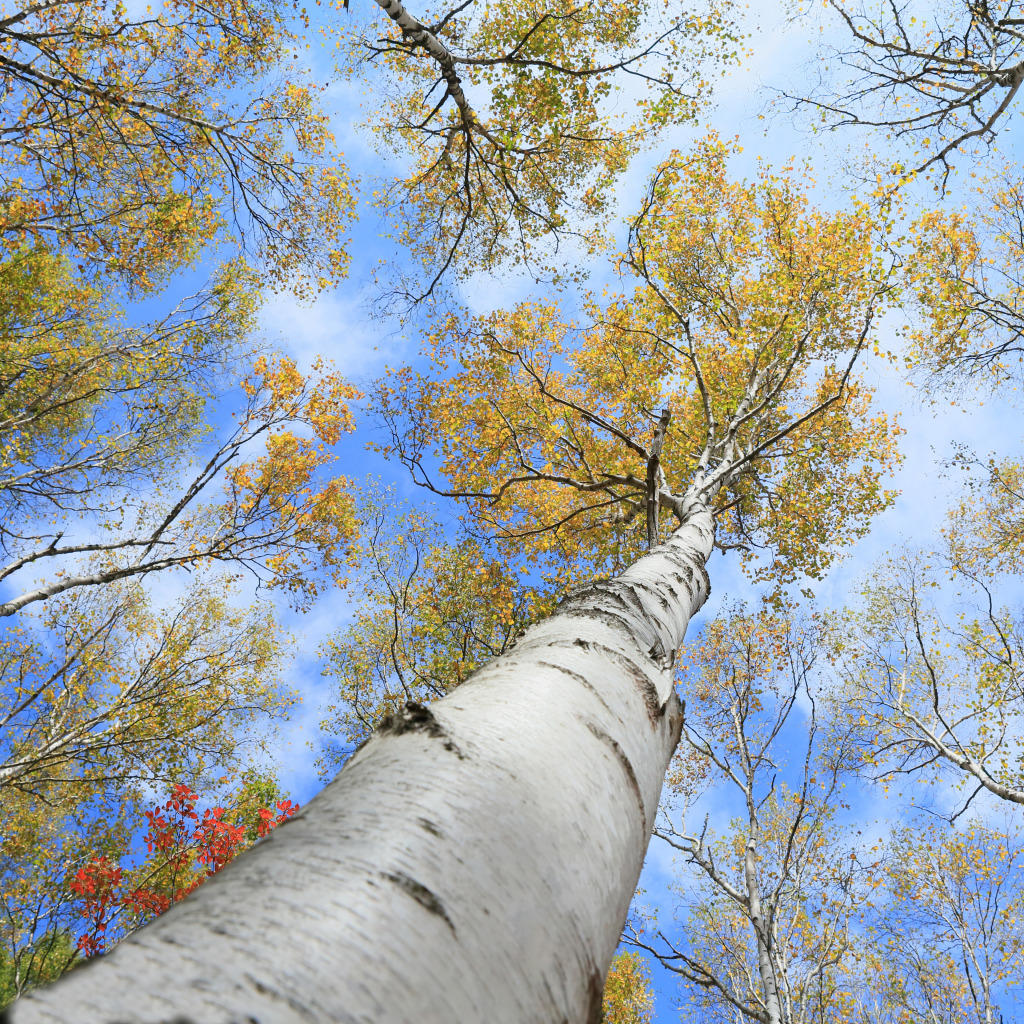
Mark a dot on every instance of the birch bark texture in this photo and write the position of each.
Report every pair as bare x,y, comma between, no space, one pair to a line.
473,861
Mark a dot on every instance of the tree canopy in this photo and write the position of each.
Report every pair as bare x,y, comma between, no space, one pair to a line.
606,411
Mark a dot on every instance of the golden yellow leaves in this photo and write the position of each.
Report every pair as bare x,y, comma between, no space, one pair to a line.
964,271
628,998
290,497
547,135
136,142
949,932
748,313
429,613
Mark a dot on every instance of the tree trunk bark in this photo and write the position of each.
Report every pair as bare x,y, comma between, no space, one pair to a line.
473,861
772,1002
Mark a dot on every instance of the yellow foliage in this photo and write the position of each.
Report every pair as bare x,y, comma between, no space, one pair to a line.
136,140
749,310
428,615
627,991
536,155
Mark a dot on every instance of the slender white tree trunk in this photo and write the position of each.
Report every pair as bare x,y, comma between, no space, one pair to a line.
773,1004
473,861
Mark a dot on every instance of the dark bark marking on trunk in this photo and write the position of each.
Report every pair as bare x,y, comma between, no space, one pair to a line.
577,677
591,614
584,590
625,596
265,990
687,570
595,997
421,894
417,718
552,1002
648,690
676,710
658,654
433,829
627,765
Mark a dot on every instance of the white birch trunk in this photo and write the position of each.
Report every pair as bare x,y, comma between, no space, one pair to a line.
473,862
772,1002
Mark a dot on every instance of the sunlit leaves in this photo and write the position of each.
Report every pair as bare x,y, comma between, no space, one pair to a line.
107,687
964,270
431,613
133,141
560,99
748,313
627,991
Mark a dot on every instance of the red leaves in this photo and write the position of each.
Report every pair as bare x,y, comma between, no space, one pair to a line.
285,809
98,885
184,850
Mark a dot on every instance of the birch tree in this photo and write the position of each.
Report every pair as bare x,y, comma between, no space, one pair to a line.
429,614
771,914
942,78
935,695
538,427
97,420
513,123
476,857
132,138
948,935
965,276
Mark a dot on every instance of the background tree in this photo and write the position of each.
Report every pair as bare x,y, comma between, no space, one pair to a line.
627,992
104,700
510,123
936,689
132,146
429,614
44,842
183,848
38,964
948,933
103,695
106,687
942,78
95,430
964,272
930,696
771,921
132,138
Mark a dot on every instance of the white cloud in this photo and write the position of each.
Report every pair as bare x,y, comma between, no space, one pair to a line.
335,326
